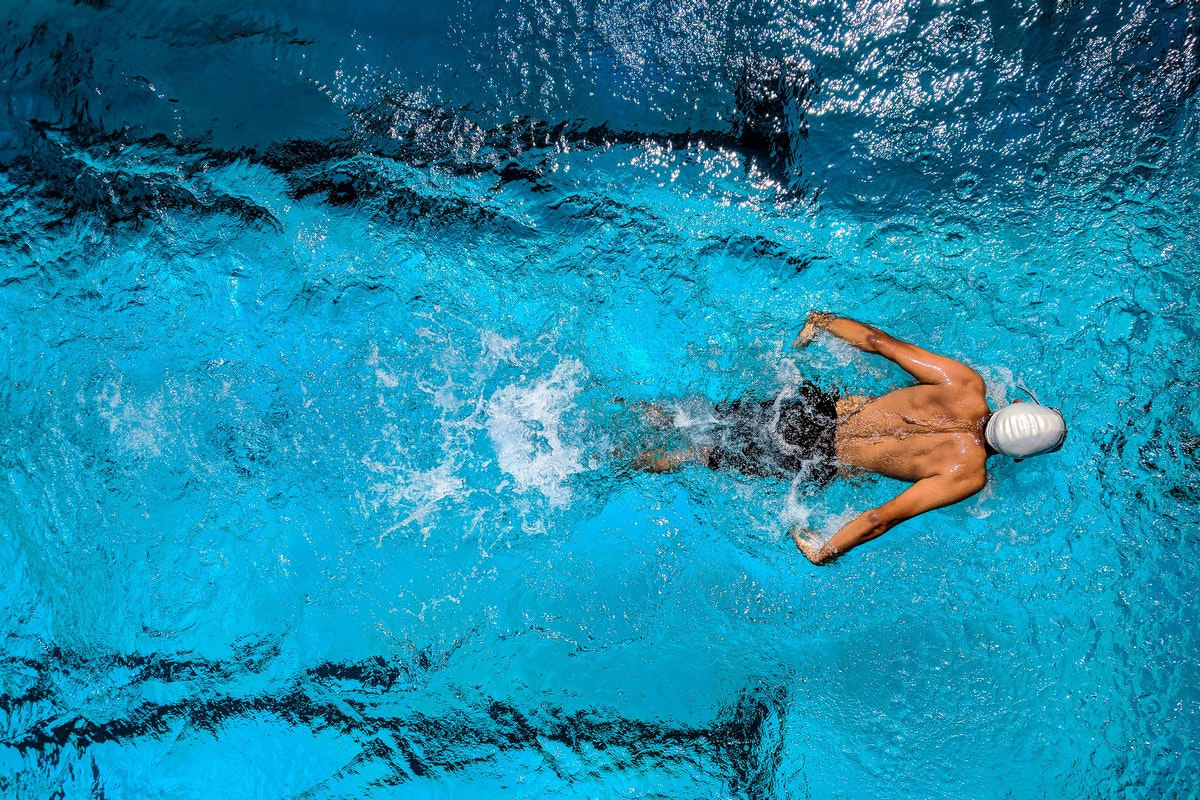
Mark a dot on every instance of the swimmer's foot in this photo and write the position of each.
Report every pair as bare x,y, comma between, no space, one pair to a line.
654,414
671,460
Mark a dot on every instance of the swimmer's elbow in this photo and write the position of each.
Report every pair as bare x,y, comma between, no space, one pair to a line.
968,380
965,486
874,340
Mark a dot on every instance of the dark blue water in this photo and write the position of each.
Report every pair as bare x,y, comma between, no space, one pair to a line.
320,327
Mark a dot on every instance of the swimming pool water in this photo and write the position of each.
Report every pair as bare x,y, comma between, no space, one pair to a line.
323,331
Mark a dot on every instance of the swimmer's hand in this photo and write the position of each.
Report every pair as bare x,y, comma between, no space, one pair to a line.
817,320
809,543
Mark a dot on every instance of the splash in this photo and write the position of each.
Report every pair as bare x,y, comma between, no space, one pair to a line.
525,423
420,493
796,514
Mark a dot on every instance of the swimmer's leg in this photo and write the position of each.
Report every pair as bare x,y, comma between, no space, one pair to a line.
655,414
671,460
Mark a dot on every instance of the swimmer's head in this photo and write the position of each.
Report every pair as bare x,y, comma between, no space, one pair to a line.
1025,429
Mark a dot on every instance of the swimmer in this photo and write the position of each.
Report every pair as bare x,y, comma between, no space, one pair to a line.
936,435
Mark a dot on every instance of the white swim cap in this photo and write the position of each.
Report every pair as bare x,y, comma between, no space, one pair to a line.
1025,429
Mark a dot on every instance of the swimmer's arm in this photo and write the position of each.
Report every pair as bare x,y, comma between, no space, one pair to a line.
924,495
923,365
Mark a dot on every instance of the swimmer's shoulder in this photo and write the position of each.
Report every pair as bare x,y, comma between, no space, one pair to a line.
966,392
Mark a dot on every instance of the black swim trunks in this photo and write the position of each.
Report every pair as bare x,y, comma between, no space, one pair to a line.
780,438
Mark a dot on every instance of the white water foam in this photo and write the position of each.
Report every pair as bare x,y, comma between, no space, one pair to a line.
419,492
843,353
497,348
981,507
525,423
835,522
795,513
137,426
692,414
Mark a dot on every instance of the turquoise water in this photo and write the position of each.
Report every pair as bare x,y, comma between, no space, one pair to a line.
322,326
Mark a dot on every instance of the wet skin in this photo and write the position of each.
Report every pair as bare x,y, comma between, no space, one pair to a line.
930,434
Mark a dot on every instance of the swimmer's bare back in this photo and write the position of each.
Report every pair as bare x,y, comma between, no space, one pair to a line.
930,435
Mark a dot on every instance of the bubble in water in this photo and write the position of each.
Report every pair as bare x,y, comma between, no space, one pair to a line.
525,423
